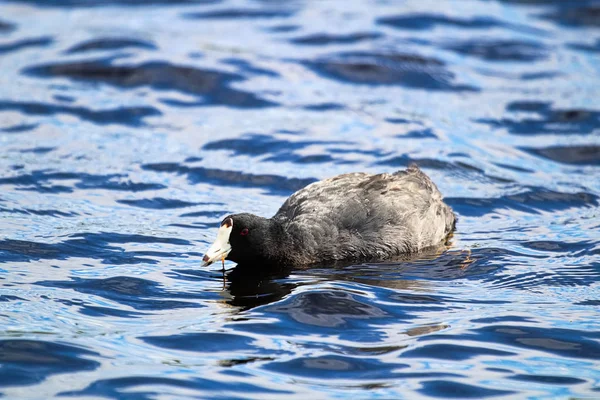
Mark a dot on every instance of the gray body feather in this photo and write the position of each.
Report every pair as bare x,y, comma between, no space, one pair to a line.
361,216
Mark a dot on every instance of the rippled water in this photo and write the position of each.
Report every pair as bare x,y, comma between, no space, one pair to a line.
130,127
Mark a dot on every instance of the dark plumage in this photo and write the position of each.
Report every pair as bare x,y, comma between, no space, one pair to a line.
350,217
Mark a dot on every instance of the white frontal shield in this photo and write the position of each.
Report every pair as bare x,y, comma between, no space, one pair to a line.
221,247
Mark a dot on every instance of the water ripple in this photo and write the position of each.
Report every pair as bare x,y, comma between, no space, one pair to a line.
576,15
548,121
131,116
139,294
575,155
323,39
427,21
129,388
109,43
238,13
407,70
212,86
563,342
274,183
39,181
506,50
26,362
108,3
25,43
131,127
89,245
442,388
531,201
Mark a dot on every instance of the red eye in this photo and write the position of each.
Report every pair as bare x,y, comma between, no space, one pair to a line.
244,232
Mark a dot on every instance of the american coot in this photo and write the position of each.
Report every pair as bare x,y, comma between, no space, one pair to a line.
350,217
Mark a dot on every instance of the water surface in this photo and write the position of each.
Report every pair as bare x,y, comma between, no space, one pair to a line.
129,128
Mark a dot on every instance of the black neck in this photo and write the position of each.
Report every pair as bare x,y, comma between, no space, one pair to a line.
287,243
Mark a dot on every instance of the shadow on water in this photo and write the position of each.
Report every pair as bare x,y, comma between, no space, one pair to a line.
249,286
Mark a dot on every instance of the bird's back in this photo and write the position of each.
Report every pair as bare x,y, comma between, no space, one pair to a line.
365,216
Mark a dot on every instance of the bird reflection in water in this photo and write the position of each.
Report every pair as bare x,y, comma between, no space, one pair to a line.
249,286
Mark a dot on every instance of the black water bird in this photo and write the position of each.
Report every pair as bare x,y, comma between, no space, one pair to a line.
350,217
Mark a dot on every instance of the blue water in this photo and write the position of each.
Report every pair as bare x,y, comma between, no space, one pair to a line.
129,128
